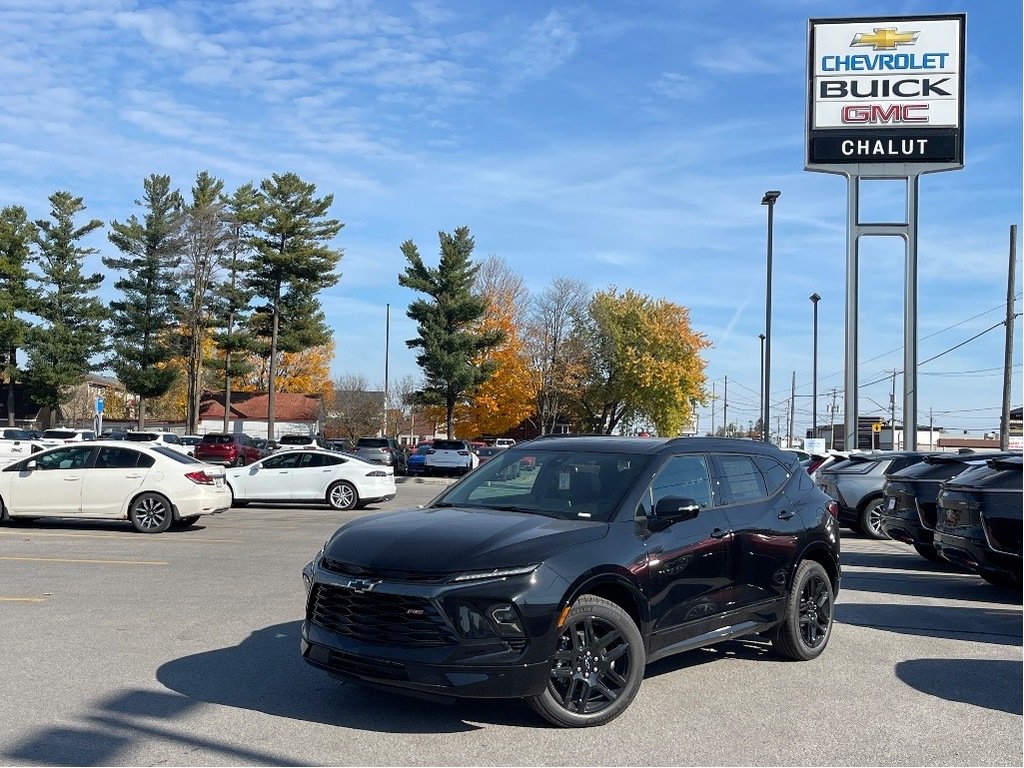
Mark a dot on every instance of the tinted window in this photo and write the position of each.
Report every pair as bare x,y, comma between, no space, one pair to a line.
15,434
684,477
141,437
218,439
775,475
74,457
449,445
372,442
295,440
172,439
739,479
122,458
59,434
321,460
282,461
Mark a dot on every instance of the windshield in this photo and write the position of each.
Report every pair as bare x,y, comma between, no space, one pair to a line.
572,485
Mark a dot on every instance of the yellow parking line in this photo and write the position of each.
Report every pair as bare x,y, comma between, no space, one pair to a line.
90,562
155,539
21,600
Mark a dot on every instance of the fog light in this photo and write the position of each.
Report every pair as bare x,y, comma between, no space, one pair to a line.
506,620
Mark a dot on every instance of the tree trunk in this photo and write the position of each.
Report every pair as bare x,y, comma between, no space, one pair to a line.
12,367
142,413
272,376
227,387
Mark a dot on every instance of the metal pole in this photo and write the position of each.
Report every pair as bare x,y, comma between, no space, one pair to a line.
769,199
910,323
725,409
850,377
387,343
761,337
815,298
1004,419
792,411
713,409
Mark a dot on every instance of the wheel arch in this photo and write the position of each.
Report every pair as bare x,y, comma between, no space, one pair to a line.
615,587
132,499
821,554
869,498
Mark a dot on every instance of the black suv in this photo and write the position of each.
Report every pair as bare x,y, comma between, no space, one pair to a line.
911,495
978,522
559,585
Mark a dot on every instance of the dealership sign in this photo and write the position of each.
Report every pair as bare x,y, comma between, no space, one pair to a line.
886,90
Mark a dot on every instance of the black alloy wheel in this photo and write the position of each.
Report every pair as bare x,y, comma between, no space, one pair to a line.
151,513
597,667
805,631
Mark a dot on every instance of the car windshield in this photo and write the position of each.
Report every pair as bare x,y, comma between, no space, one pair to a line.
572,485
141,437
218,439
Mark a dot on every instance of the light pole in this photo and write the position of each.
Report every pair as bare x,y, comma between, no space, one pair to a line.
769,199
761,337
815,298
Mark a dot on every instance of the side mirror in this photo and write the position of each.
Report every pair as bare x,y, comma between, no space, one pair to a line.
674,508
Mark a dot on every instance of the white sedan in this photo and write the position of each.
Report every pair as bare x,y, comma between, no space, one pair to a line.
311,474
152,486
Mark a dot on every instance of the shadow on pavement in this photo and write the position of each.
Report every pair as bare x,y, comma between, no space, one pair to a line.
939,585
999,626
266,673
988,683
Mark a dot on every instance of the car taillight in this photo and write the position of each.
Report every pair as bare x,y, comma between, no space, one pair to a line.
200,477
833,509
377,473
463,453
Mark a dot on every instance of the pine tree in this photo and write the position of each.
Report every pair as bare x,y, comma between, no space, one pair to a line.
293,263
447,321
143,323
16,235
62,346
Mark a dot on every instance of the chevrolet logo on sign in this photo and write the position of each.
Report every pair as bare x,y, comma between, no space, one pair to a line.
885,38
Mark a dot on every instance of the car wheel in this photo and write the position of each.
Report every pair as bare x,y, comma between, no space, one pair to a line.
342,495
151,513
871,518
597,667
239,462
928,552
807,626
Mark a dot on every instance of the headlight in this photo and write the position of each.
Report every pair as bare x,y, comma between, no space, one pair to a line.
497,573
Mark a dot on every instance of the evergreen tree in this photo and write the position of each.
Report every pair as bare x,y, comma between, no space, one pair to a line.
61,347
292,264
16,235
232,293
448,339
143,322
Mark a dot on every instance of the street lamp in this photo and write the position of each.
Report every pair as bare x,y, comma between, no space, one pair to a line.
769,199
815,298
761,337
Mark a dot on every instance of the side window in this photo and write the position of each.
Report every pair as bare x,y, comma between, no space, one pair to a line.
739,479
59,459
173,439
775,474
320,460
117,458
284,461
682,476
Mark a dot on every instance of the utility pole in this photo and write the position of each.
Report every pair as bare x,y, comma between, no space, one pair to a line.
892,417
1004,418
792,410
713,398
725,409
832,421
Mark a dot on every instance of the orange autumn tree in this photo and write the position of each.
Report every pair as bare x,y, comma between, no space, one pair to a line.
305,372
507,398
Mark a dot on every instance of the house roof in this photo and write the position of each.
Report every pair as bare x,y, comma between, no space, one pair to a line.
288,406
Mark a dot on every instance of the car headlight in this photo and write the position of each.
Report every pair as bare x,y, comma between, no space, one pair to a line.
496,573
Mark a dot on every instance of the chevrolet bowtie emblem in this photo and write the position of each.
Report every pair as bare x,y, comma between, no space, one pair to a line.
885,38
362,585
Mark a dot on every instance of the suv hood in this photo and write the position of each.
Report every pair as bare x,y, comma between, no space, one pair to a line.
450,539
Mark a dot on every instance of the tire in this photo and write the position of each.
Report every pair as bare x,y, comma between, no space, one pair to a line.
4,517
927,551
807,626
870,519
187,522
151,513
597,667
342,495
239,462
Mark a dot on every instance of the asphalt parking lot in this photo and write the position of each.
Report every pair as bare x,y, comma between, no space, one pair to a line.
182,648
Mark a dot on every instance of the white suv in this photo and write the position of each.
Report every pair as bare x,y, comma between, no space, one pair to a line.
453,457
166,439
54,437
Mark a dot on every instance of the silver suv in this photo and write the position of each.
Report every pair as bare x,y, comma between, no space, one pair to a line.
856,485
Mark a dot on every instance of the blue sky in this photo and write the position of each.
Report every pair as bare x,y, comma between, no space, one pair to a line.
623,143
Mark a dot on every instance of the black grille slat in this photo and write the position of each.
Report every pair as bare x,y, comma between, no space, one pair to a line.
379,617
381,574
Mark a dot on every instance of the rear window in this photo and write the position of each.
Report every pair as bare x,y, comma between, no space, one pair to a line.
449,445
178,456
295,440
218,439
372,442
140,437
60,434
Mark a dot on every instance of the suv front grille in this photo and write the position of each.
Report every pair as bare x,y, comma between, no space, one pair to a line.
381,574
377,617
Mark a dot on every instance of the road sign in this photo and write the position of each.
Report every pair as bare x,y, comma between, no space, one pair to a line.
876,427
99,405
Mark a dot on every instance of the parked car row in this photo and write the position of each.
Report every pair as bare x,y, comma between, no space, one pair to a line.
964,508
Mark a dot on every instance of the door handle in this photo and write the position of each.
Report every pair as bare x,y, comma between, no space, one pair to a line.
71,479
720,533
786,514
